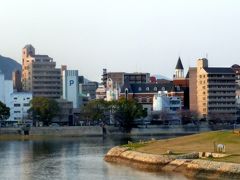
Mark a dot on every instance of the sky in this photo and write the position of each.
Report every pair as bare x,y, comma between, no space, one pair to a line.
123,35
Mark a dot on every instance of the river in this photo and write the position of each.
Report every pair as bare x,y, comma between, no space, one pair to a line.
70,159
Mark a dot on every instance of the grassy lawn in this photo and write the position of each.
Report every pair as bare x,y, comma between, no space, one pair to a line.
197,143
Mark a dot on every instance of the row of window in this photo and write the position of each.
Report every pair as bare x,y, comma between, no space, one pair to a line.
28,98
221,103
46,87
217,75
148,89
19,105
220,86
221,81
144,100
46,77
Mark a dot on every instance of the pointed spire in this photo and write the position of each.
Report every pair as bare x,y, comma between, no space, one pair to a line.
179,64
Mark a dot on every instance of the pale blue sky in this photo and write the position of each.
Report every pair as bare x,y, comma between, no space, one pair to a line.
123,35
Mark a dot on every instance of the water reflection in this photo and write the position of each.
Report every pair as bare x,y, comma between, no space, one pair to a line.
67,158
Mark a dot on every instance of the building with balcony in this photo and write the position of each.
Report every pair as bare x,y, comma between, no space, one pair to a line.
40,75
212,91
163,102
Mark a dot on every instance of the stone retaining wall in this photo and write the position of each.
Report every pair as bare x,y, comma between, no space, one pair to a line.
67,131
187,164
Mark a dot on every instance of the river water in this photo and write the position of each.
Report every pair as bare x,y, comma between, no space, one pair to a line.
69,158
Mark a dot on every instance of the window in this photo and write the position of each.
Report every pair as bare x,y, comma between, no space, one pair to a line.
148,99
17,105
139,89
155,89
139,99
147,88
16,111
26,104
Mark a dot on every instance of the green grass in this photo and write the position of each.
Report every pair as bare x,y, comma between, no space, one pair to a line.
134,146
203,142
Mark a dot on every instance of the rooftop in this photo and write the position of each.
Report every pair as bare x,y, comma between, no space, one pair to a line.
179,64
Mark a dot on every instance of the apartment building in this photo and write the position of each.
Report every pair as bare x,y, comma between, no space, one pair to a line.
40,75
20,104
212,90
119,78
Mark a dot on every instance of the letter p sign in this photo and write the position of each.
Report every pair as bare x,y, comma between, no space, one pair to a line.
71,82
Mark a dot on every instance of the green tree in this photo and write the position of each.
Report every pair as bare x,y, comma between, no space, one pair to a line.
126,111
96,110
4,111
43,109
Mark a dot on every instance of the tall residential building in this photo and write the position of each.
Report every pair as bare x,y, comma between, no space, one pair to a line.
212,90
40,75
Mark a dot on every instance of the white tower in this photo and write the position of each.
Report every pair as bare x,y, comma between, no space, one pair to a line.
179,70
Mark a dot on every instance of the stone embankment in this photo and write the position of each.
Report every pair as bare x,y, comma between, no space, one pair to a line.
56,131
188,164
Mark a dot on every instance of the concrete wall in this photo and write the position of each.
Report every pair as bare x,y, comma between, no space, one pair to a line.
67,131
10,131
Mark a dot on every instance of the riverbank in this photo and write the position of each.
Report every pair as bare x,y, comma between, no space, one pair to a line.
78,131
184,155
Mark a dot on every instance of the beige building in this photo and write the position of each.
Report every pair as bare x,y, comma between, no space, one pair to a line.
39,74
212,90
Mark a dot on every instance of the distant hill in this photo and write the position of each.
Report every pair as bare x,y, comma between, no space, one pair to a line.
8,65
159,76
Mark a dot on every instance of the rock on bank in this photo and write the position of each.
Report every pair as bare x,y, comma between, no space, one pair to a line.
188,164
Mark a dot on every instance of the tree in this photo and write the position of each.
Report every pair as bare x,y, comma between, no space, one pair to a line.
96,110
4,111
43,109
188,116
126,111
220,118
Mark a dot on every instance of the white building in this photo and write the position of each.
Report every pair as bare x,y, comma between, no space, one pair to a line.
112,92
71,87
162,102
101,92
6,88
20,104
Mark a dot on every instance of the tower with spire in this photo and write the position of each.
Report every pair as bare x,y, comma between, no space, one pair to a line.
179,70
